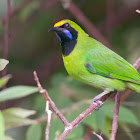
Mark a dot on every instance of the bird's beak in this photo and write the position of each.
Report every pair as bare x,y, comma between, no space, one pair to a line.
56,29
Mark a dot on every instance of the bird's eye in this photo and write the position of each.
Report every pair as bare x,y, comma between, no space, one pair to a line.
66,25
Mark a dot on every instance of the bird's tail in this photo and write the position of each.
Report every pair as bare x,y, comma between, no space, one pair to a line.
134,87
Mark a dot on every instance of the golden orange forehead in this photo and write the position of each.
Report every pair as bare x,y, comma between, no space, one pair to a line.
60,23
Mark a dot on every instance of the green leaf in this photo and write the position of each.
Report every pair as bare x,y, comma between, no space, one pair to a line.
4,80
20,112
3,64
2,126
34,132
15,117
17,92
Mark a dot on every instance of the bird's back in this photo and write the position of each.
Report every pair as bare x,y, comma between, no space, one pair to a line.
108,63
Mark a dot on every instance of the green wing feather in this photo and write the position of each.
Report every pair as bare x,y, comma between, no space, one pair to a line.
107,63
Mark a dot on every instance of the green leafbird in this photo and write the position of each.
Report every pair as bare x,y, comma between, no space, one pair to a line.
89,61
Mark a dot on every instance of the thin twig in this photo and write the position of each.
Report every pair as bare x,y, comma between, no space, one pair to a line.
49,4
99,136
49,112
115,117
109,18
75,122
51,103
117,104
82,116
68,126
6,43
83,20
17,9
6,34
6,28
124,14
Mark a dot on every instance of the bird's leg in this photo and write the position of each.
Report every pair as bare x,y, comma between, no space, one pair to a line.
98,99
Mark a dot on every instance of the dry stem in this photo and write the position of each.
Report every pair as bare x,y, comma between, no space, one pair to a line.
117,104
51,103
68,126
99,136
93,31
115,117
49,112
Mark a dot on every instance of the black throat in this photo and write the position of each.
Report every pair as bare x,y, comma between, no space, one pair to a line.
68,46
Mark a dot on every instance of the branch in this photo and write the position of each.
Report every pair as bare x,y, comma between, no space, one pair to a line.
115,117
68,126
75,122
49,112
51,103
81,117
6,42
16,9
83,20
109,18
124,14
49,4
117,104
6,31
99,136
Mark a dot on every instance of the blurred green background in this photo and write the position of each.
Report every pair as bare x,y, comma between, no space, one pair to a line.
31,48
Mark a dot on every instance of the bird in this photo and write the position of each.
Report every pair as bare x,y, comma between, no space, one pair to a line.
89,61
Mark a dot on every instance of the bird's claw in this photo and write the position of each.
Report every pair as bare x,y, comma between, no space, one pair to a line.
100,103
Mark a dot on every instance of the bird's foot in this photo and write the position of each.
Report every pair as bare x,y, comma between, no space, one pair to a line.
98,99
99,102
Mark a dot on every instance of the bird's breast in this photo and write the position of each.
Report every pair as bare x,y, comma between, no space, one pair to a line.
74,65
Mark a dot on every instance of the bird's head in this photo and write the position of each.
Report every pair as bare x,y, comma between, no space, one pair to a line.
69,33
65,30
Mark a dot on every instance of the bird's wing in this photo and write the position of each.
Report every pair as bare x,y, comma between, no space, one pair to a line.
103,61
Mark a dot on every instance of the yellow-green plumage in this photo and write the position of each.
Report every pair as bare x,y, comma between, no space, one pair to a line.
94,64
